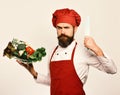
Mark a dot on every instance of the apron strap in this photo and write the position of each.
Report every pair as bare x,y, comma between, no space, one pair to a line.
73,51
53,52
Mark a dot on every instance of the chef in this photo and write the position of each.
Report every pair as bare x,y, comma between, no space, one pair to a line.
70,60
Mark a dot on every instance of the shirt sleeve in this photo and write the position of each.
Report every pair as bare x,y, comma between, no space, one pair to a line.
103,63
43,79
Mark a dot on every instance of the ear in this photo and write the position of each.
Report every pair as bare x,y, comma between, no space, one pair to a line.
75,29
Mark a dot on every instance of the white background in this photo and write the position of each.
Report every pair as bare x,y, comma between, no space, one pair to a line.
30,20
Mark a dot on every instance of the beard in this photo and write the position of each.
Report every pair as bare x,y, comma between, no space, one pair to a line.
65,40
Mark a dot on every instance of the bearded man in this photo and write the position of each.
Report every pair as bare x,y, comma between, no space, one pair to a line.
70,60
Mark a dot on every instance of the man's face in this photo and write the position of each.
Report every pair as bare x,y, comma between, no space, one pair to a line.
65,34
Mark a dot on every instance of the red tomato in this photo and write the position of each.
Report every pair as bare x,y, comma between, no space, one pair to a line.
29,50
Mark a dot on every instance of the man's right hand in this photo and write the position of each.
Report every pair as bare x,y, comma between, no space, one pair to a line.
29,67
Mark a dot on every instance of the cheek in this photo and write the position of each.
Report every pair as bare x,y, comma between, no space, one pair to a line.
70,33
58,33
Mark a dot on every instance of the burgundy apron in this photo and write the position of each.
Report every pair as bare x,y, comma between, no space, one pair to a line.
64,79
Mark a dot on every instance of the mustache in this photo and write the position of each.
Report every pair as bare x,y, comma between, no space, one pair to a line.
62,35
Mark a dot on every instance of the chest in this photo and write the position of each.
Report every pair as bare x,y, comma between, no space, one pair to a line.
61,55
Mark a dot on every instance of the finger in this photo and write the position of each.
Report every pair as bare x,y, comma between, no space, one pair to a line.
86,37
21,63
31,65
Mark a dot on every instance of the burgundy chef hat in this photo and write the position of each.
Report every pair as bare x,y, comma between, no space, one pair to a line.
66,16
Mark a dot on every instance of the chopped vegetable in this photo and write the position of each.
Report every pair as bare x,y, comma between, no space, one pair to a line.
21,47
24,55
23,52
29,50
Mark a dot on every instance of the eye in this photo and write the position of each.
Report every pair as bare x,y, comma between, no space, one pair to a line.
66,27
58,27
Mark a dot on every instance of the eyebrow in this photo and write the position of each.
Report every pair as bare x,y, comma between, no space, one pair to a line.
62,27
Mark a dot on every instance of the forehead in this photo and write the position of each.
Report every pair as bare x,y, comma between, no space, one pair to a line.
64,25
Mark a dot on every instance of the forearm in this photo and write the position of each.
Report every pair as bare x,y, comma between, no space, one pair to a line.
98,51
103,63
106,63
33,73
29,67
39,78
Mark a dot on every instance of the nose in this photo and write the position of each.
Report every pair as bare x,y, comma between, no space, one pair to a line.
62,31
